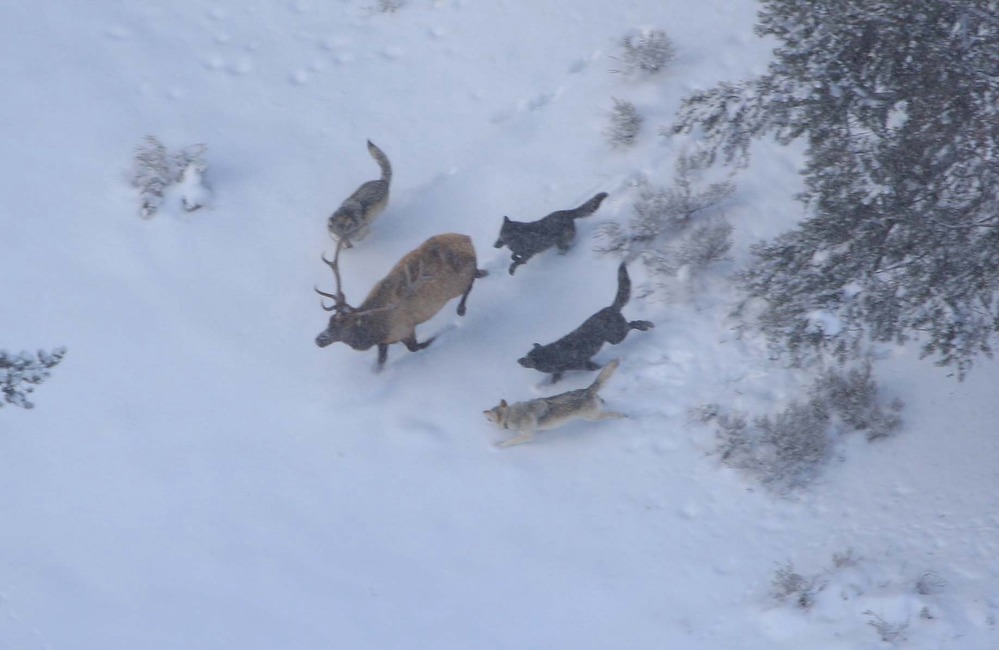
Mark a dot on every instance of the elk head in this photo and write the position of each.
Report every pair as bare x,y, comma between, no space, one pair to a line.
342,321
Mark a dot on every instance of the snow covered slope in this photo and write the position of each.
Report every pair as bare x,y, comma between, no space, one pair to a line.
198,474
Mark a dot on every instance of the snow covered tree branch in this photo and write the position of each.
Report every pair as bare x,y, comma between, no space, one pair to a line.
20,373
897,101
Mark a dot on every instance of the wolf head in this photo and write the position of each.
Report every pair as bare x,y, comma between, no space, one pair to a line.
501,241
498,414
533,358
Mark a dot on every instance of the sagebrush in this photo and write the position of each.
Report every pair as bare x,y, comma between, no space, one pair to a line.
785,451
673,230
646,51
625,123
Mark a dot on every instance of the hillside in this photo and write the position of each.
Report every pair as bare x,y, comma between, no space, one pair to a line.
198,474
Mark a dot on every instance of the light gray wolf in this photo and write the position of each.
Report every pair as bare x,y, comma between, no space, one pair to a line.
552,412
417,287
353,218
573,351
527,239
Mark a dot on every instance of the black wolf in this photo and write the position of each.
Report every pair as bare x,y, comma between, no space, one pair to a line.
573,351
527,239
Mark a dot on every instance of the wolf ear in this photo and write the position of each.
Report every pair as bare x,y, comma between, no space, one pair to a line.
506,219
503,403
537,345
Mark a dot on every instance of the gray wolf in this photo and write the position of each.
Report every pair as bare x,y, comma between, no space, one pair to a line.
353,218
527,239
417,287
552,412
573,351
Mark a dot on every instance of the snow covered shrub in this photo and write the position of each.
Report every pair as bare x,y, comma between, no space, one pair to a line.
625,123
152,174
853,397
646,51
20,373
929,583
155,172
787,585
888,631
673,231
390,6
785,451
853,595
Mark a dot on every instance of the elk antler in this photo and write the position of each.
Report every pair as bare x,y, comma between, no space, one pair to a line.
339,300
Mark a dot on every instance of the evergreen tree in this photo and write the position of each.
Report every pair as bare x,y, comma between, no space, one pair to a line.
898,102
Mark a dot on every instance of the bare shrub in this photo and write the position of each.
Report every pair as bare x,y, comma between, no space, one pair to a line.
674,229
625,123
854,398
888,631
646,51
787,585
929,582
784,451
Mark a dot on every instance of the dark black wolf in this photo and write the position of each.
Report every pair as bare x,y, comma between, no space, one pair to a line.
527,239
573,351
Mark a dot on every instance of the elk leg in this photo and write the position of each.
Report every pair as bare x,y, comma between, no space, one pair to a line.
464,296
382,354
413,345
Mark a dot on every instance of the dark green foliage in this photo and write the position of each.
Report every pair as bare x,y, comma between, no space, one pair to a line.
898,102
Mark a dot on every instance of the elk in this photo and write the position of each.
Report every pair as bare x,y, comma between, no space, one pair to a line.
417,287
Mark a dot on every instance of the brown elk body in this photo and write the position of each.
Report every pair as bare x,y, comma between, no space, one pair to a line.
417,287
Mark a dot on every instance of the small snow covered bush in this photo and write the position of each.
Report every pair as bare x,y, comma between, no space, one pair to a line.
625,123
787,585
390,6
854,398
888,631
646,51
856,593
156,174
676,231
786,450
20,373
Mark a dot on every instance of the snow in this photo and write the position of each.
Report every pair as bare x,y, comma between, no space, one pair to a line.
197,474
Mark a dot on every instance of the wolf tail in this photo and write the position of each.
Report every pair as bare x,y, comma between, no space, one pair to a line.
382,160
623,287
604,376
589,207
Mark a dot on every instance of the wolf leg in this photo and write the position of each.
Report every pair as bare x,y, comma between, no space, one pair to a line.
525,437
565,238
